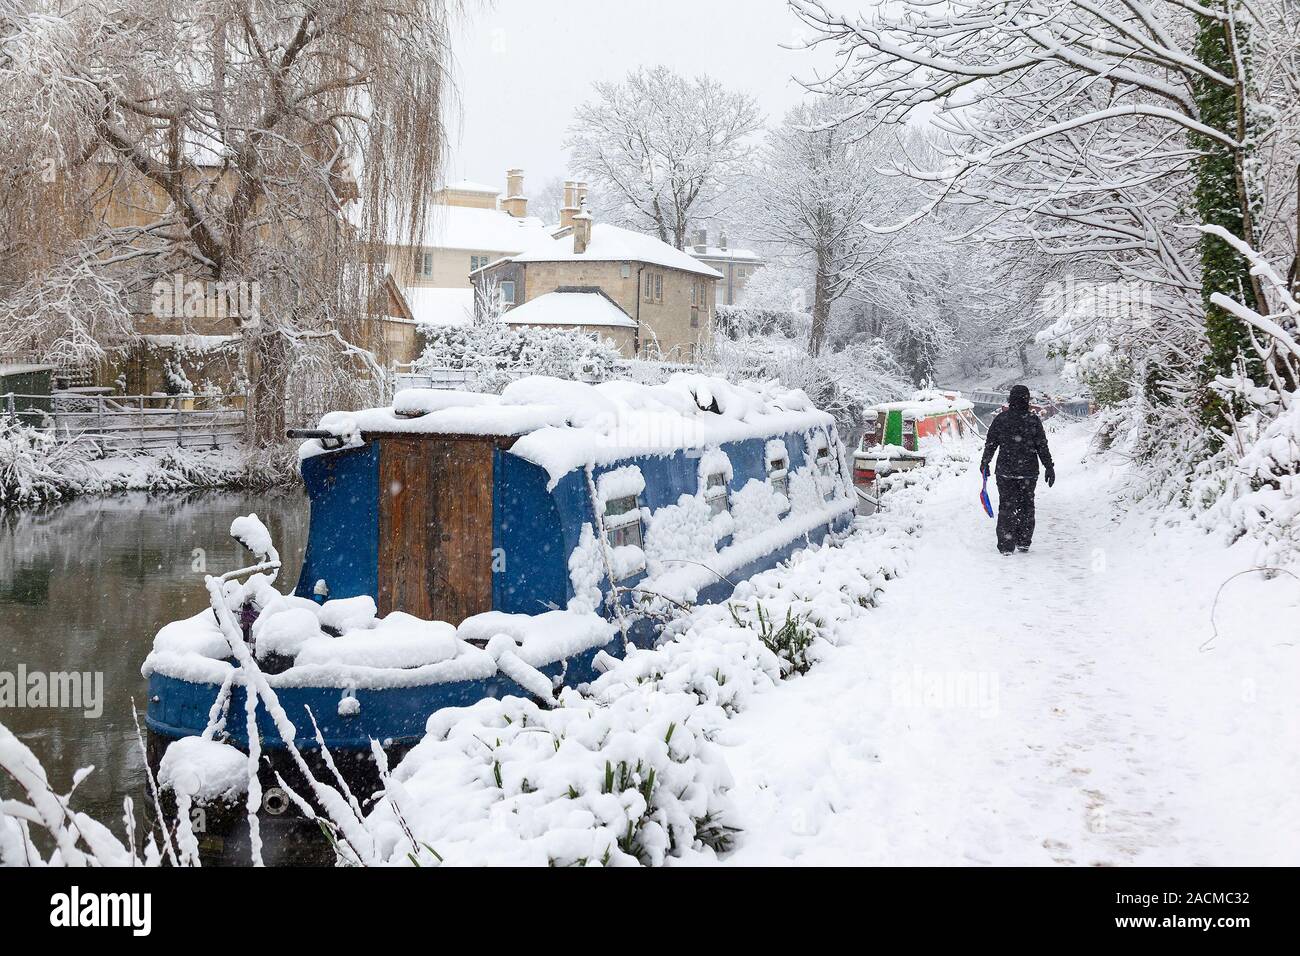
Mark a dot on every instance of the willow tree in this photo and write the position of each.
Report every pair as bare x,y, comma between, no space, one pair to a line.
274,142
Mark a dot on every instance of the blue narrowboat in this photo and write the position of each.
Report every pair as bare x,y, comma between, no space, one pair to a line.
462,545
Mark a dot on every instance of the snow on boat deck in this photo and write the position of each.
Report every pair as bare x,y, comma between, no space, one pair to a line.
565,425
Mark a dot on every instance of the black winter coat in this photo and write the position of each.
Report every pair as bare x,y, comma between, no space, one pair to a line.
1019,434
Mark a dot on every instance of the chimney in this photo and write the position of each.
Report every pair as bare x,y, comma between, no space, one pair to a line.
580,192
570,208
722,242
581,229
701,240
516,203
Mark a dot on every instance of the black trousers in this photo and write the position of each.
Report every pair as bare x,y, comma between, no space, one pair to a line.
1015,512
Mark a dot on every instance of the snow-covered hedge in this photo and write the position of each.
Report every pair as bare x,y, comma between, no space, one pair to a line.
35,466
498,353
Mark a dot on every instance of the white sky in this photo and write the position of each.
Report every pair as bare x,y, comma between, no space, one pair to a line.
523,65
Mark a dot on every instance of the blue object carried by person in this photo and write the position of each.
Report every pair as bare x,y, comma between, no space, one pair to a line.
984,494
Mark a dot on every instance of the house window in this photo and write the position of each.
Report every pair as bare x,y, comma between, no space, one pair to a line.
424,264
507,292
623,522
715,493
625,271
477,262
695,317
654,287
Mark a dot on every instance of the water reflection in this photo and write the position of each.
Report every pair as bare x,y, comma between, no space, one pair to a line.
85,585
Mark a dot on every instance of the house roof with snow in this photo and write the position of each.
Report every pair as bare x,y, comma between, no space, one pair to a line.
475,230
586,306
469,186
431,305
615,244
717,252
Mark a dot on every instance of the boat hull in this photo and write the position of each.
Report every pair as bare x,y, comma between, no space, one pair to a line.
391,715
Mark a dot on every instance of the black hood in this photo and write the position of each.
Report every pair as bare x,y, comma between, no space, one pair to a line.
1019,398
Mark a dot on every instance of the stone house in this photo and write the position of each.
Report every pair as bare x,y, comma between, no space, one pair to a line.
466,227
667,295
736,265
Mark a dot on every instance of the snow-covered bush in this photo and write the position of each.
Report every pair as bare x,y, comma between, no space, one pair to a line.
591,782
35,466
497,353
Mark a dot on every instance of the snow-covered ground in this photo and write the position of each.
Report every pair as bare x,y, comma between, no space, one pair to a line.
1050,707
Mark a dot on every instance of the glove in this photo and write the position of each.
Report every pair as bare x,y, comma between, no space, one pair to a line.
1049,473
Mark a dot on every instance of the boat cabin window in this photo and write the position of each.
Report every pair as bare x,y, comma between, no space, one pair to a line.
623,522
778,472
825,464
715,492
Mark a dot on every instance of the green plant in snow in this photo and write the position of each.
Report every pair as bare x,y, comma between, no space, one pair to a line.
790,641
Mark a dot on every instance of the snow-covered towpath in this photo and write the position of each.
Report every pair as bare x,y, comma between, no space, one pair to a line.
1050,707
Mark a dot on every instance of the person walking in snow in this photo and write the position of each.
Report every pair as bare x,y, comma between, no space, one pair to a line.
1018,439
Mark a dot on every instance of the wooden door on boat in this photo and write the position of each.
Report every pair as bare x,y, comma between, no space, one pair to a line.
435,526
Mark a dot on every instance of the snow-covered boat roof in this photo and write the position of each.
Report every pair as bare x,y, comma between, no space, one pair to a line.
615,244
570,308
925,402
562,425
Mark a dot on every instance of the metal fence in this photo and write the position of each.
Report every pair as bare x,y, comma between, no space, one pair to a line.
130,423
70,374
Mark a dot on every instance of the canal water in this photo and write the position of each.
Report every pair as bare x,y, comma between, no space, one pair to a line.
85,585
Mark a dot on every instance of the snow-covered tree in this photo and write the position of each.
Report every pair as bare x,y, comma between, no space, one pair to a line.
547,202
754,343
1090,130
814,190
216,140
662,149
